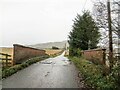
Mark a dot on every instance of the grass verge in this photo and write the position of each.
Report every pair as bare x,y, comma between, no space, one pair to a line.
94,75
11,70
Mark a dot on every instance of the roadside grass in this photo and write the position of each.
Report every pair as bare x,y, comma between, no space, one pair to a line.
94,74
11,70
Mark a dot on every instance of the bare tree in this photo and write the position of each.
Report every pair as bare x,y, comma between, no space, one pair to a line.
101,16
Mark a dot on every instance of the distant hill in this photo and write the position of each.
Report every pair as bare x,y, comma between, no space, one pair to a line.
50,44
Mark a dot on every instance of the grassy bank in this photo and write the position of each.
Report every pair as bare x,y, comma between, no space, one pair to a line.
94,75
11,70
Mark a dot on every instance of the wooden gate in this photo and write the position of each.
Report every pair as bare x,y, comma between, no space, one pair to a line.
5,59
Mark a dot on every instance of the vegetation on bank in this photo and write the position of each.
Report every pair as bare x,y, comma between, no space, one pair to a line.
94,75
83,36
11,70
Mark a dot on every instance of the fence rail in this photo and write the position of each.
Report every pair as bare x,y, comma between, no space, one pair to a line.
7,58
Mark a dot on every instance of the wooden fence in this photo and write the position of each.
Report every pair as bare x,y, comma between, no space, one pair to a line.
5,60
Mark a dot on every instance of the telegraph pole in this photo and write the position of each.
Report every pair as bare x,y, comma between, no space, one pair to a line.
110,35
119,29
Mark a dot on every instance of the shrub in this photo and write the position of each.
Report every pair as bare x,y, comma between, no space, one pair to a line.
75,52
54,47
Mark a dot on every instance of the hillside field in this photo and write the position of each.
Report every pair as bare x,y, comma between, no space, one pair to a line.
7,51
52,52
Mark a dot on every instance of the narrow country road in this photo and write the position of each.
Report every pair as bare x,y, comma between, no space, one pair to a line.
56,72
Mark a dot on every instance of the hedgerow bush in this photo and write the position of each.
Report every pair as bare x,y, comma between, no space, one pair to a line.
75,52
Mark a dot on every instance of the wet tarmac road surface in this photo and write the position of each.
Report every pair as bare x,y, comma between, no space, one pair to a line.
56,72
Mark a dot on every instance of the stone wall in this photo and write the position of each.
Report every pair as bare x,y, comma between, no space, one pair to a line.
95,55
21,53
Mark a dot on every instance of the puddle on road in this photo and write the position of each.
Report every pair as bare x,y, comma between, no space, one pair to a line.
66,62
63,61
47,74
46,62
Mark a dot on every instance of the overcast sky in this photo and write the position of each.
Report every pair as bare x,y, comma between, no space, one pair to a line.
36,21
